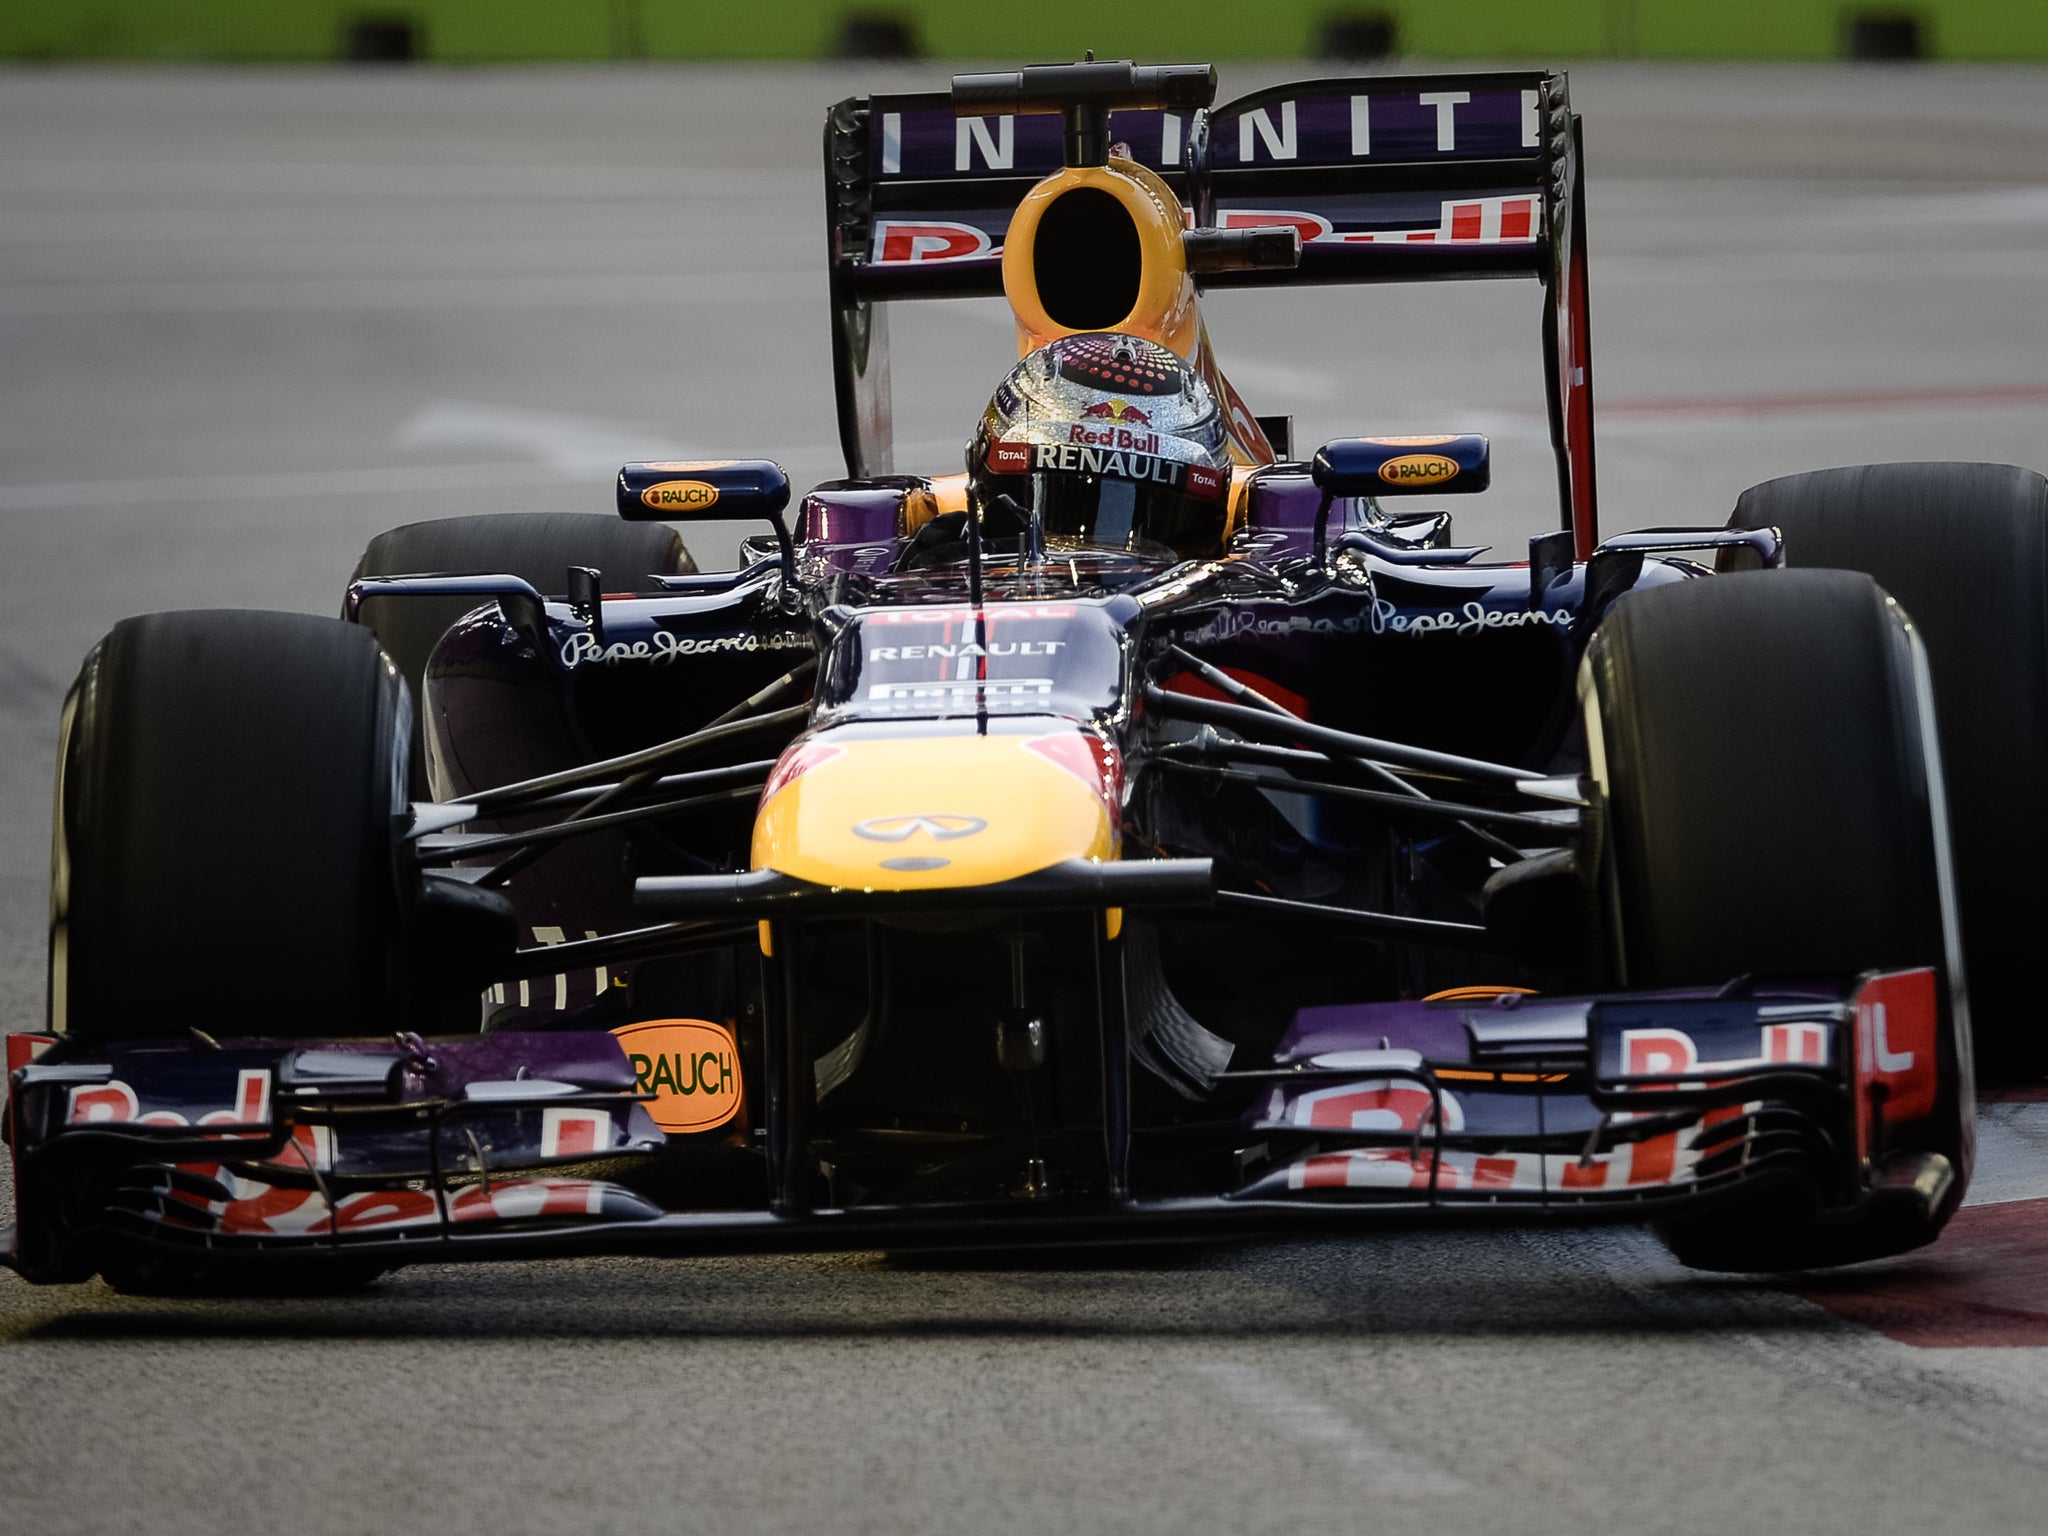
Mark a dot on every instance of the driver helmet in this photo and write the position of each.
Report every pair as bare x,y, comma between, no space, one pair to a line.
1114,442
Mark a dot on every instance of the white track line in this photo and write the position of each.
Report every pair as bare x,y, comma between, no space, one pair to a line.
1310,1421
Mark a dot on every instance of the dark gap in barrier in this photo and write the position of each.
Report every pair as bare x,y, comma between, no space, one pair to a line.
864,35
380,40
1884,36
1355,35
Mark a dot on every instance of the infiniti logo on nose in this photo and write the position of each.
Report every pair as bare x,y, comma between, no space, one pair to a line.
940,828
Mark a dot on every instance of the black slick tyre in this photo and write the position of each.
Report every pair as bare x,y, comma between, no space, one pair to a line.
224,845
1771,806
1964,548
537,547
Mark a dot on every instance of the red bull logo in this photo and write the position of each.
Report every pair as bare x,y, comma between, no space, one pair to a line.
1122,438
1119,411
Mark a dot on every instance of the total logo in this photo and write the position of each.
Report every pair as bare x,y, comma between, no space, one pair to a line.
1010,458
940,828
1117,410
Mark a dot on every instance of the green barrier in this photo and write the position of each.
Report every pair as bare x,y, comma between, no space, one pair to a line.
494,31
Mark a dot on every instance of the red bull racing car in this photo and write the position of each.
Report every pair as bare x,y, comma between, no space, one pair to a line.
1147,830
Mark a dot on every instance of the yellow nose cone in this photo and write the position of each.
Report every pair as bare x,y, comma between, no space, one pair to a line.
928,812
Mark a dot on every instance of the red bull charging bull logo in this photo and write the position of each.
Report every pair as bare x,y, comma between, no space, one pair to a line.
1121,411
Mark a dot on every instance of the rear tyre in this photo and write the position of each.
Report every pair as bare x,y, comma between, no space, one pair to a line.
1964,547
1771,807
537,547
224,850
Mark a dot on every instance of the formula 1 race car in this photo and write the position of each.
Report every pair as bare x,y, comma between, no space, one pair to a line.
1147,833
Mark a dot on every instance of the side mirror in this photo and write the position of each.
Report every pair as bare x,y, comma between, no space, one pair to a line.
690,491
1456,465
693,491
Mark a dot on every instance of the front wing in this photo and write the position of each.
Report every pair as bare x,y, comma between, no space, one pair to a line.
405,1151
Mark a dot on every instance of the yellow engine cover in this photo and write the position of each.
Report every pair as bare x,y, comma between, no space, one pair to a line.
1165,310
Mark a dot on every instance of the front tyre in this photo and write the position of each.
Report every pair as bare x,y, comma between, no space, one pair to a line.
1764,746
229,794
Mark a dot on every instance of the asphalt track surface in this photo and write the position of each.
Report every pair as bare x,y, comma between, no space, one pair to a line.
248,320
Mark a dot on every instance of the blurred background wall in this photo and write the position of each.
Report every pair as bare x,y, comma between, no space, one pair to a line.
492,31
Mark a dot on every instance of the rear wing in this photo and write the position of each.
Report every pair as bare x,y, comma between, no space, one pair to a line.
1389,178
